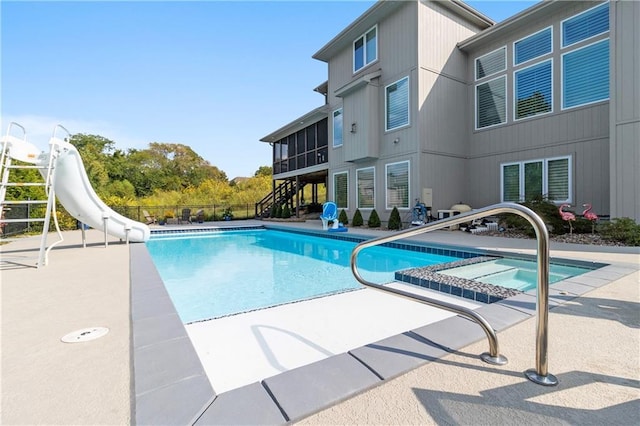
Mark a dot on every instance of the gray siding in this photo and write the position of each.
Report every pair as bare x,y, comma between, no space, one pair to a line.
442,100
582,132
625,109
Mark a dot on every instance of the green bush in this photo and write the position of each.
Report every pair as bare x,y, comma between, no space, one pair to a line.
547,211
374,219
274,211
279,211
342,217
624,230
357,218
286,213
394,219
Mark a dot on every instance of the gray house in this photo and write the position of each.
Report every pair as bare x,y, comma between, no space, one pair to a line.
431,101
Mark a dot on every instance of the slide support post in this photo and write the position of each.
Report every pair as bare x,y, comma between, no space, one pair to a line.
105,218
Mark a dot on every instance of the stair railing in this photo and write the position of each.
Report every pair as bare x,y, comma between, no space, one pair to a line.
540,374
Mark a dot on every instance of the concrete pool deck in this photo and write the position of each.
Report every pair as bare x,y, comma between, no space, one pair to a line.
593,348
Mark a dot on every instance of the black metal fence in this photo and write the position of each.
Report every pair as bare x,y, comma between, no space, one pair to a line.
193,212
144,214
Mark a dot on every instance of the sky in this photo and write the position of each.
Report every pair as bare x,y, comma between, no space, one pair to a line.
214,75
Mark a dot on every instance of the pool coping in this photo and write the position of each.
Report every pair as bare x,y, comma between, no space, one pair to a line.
171,387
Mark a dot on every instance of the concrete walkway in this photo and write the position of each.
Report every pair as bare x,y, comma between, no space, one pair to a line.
594,349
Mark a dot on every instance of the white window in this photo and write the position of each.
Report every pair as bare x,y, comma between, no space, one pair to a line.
397,104
397,183
585,25
491,103
533,90
533,46
337,128
366,183
525,180
585,75
365,49
341,189
491,63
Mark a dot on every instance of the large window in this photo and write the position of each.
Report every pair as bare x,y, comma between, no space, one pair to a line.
532,46
533,90
365,180
491,103
397,176
585,25
365,49
397,104
491,63
585,75
341,189
337,128
550,178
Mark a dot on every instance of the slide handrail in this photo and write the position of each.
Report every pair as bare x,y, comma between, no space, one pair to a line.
540,375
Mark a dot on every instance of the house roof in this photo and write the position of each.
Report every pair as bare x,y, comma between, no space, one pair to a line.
298,124
544,7
383,8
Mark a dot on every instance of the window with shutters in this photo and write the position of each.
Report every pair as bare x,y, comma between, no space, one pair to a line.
365,49
585,75
585,25
491,63
526,180
533,90
491,103
397,182
532,47
365,181
341,189
397,104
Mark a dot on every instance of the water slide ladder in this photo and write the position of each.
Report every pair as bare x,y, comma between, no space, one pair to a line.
540,374
18,154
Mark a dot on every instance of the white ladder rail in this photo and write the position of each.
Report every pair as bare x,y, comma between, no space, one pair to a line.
7,166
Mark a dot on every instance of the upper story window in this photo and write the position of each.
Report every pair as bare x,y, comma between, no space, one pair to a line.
491,63
585,25
533,90
337,128
365,49
491,102
532,46
585,75
397,104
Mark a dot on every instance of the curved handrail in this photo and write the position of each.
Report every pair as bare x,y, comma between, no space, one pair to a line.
540,375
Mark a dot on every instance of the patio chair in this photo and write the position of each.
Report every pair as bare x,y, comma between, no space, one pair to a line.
149,217
186,216
329,213
199,217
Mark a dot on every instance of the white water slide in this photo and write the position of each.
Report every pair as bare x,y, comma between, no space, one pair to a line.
74,191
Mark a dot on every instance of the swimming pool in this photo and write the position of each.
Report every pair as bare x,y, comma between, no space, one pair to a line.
210,275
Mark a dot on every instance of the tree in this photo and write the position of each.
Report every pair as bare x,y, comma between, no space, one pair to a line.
395,222
357,218
263,171
343,218
374,220
286,213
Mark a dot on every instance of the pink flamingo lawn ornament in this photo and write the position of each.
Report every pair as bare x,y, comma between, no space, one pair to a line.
568,216
589,215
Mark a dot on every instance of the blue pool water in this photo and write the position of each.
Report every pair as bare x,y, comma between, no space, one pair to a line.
513,273
223,273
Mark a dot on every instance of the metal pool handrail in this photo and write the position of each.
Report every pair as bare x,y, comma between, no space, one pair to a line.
540,374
